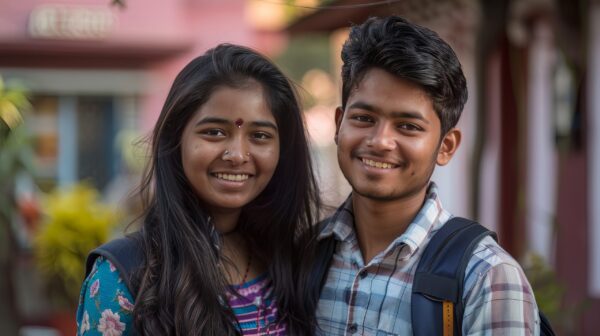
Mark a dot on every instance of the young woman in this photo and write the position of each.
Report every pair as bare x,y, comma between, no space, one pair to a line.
228,193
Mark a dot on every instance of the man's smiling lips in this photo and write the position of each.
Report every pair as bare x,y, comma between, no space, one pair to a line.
377,164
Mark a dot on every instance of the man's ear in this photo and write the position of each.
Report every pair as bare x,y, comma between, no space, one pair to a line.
339,114
448,146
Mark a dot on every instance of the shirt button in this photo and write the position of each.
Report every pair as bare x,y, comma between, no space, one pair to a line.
363,274
352,328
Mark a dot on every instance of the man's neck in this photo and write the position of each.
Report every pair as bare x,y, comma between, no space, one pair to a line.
378,223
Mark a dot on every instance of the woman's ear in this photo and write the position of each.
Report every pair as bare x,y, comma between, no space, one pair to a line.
339,114
448,146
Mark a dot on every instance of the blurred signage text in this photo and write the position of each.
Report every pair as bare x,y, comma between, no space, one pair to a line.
71,22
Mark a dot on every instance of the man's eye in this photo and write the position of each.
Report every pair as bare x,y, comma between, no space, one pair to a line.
362,118
409,127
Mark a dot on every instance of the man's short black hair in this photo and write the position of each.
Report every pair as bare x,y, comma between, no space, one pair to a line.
410,52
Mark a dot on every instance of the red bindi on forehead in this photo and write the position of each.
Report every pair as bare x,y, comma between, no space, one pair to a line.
238,122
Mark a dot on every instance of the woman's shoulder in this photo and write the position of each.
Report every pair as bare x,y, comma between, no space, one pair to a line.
105,303
104,279
125,255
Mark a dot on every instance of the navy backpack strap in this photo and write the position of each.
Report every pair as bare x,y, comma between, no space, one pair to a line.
440,275
324,252
124,253
545,326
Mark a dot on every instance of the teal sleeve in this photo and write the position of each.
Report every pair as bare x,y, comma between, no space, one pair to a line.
105,303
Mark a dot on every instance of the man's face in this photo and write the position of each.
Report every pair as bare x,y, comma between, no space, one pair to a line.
388,138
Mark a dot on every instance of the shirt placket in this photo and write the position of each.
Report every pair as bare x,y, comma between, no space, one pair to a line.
356,314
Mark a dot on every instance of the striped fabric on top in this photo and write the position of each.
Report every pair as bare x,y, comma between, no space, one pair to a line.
254,309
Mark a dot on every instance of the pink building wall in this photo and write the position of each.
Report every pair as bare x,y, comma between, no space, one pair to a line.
159,37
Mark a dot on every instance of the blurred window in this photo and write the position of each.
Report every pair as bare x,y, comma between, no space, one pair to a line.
95,135
84,130
43,124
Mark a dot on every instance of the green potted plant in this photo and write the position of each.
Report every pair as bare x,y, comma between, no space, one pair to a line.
15,159
74,223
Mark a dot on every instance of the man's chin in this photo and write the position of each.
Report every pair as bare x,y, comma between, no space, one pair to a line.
376,195
383,193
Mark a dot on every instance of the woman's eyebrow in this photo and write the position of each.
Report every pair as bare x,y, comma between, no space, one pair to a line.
213,120
223,121
264,123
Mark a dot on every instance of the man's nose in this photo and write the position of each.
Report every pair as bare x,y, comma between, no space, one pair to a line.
383,137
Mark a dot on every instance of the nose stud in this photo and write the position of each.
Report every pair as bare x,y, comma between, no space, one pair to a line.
227,152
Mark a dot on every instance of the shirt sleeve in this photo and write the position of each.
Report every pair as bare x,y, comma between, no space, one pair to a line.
499,300
105,303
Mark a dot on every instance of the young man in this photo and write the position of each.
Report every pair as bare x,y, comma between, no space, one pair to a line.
403,94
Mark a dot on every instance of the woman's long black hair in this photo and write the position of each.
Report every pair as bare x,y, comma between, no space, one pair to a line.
181,286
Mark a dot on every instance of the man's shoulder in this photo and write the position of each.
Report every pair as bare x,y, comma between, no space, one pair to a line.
493,275
491,252
489,257
487,253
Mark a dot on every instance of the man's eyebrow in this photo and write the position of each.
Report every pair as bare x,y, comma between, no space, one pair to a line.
410,115
223,121
396,114
364,106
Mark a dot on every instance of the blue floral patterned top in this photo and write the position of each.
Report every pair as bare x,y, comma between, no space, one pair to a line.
106,312
106,305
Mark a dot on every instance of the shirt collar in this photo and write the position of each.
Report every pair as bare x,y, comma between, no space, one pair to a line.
341,223
431,216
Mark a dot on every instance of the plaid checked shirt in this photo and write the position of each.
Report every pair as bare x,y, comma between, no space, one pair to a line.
374,299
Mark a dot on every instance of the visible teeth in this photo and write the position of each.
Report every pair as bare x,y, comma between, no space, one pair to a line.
232,177
377,164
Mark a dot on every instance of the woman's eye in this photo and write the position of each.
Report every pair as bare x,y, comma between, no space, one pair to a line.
262,135
214,132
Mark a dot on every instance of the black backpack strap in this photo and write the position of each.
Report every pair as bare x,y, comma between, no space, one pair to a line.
125,254
440,275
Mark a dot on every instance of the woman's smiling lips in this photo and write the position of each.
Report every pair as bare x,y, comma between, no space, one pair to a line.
232,178
236,177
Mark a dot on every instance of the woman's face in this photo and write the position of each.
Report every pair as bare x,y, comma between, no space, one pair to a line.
230,147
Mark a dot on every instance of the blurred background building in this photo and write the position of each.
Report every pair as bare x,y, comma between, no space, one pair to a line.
96,73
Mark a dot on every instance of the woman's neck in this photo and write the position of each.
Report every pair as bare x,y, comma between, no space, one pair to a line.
226,221
240,264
